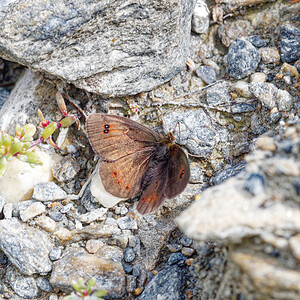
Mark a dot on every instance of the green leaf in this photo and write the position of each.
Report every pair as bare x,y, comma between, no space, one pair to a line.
68,121
91,284
3,166
16,147
6,139
100,293
48,131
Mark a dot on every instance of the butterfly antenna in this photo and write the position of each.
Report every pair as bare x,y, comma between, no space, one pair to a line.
84,116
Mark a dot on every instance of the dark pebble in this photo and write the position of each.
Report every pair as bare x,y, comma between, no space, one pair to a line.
207,74
223,175
127,268
129,255
55,215
177,258
186,241
136,271
44,284
255,184
290,43
270,77
297,185
242,59
257,41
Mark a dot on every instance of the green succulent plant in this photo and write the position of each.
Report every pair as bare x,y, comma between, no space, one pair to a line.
21,144
85,291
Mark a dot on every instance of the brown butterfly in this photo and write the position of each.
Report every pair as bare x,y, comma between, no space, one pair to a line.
137,160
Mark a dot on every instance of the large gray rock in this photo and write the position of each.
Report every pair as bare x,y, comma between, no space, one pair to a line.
26,248
106,47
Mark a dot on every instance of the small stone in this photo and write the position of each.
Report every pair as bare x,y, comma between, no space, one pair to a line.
242,88
48,191
118,240
66,169
111,253
111,221
53,297
127,223
285,100
186,251
242,59
7,210
207,74
94,215
269,55
63,233
130,283
258,77
127,268
131,241
44,284
265,92
46,223
177,258
257,41
124,210
174,247
186,241
129,255
290,43
23,286
55,215
32,211
200,17
136,270
55,253
266,143
255,184
92,246
66,208
71,149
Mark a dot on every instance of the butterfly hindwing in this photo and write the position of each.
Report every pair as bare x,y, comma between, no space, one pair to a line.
153,187
113,137
178,172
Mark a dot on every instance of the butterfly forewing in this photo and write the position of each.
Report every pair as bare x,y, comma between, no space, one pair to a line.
113,137
122,177
178,172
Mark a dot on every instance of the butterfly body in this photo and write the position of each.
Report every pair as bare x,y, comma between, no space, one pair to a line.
137,160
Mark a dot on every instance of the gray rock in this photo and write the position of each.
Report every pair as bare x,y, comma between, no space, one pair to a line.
7,210
66,169
129,255
290,43
94,215
207,74
265,92
32,211
125,46
255,184
26,248
55,253
186,241
4,93
257,41
218,97
130,283
166,284
177,258
225,174
127,223
195,131
242,59
66,208
200,18
48,191
23,286
284,100
55,215
77,263
44,284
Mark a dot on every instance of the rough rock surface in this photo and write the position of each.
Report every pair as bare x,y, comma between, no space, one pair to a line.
103,47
